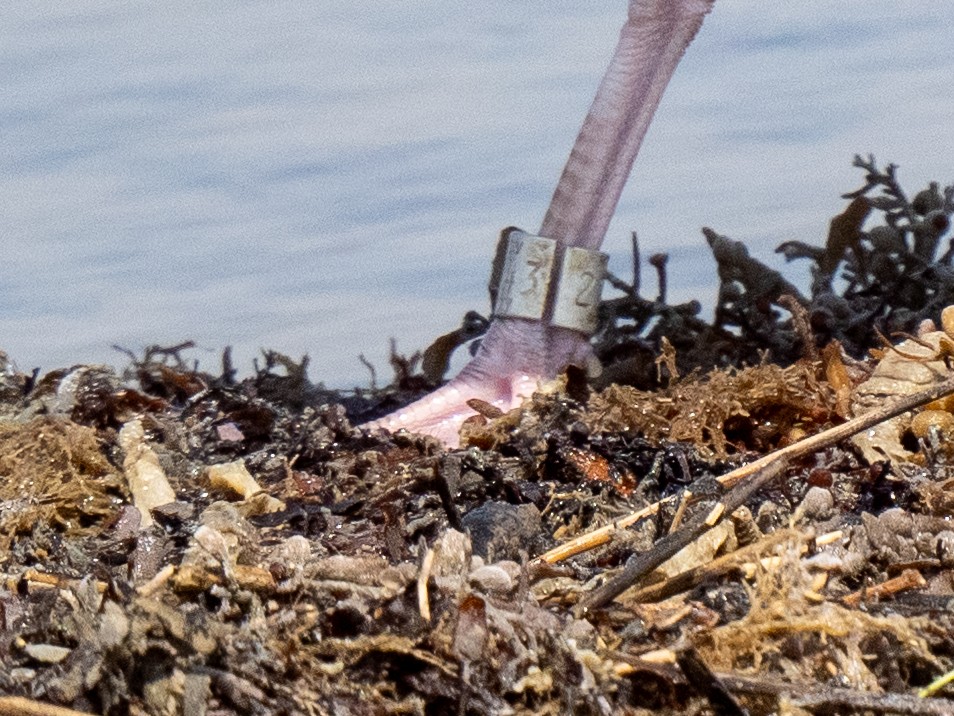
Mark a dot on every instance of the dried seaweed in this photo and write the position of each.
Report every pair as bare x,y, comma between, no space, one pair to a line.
53,472
339,572
724,412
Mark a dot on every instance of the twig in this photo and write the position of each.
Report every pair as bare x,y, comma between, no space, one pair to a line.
680,513
802,325
635,242
598,537
757,474
717,568
602,535
705,683
908,579
672,543
423,597
370,366
936,685
835,435
447,476
839,700
825,700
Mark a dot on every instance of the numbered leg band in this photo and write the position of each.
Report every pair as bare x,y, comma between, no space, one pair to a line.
540,281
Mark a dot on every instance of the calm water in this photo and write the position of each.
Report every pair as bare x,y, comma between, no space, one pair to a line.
318,177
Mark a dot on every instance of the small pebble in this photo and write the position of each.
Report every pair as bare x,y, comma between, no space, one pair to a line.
945,548
500,530
46,653
491,578
816,505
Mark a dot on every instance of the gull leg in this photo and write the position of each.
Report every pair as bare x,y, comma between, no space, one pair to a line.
518,353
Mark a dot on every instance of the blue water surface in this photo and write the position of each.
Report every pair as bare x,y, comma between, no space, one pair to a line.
318,177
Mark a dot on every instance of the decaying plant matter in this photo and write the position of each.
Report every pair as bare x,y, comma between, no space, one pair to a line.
690,539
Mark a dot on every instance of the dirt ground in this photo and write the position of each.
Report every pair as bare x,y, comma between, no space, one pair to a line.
680,535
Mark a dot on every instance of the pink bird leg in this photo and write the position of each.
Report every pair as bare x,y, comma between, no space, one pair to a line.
517,354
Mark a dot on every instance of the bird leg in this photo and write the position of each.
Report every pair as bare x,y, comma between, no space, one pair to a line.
519,352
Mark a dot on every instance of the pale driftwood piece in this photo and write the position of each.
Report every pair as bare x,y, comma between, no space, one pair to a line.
20,706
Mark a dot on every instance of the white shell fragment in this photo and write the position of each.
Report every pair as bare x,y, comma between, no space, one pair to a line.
897,374
147,480
235,478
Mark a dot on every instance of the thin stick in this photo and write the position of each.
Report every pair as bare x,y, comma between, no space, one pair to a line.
835,435
805,694
423,597
636,277
839,700
680,511
752,477
717,568
832,436
669,545
908,579
599,536
707,684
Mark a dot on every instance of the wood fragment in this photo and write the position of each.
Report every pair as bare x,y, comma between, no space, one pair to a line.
19,706
147,480
908,579
423,599
707,684
158,581
717,568
598,537
839,700
936,685
680,512
670,544
34,579
829,537
715,515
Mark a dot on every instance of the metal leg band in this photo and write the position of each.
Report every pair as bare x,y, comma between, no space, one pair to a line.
543,280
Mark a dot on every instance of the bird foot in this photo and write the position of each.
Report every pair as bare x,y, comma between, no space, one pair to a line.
515,357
